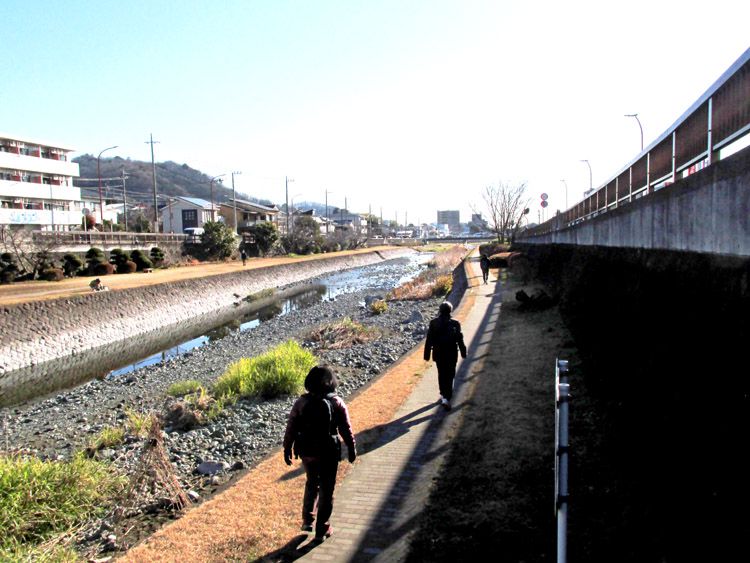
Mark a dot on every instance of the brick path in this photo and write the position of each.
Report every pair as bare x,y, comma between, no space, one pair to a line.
376,507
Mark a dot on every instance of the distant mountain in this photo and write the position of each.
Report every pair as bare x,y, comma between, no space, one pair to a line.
172,179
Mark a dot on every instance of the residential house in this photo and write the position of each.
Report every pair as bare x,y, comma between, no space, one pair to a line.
248,214
187,212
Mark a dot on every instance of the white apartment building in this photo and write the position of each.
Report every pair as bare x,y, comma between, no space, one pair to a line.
36,185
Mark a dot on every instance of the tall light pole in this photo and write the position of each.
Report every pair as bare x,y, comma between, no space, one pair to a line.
287,179
234,200
639,125
212,193
566,193
153,176
591,179
99,175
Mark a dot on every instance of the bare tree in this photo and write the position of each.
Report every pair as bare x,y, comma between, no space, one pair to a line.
506,204
31,250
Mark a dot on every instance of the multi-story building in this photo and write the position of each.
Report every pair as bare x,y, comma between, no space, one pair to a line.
450,218
36,185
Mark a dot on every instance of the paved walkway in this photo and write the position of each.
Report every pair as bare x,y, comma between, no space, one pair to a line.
376,507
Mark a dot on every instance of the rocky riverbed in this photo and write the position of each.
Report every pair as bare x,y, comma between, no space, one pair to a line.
209,456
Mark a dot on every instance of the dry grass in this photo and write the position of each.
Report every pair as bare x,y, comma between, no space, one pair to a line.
436,280
259,516
342,334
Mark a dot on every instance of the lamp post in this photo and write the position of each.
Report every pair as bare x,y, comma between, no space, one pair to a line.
212,193
234,200
99,176
591,180
566,193
639,125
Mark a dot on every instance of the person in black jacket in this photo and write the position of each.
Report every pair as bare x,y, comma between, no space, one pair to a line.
445,340
312,432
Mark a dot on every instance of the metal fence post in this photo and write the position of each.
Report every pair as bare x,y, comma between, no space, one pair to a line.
562,397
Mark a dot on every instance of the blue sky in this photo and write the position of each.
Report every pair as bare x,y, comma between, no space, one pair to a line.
405,106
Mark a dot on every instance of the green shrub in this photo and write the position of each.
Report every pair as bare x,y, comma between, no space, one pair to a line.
280,371
182,388
118,257
139,424
378,307
103,269
141,260
53,274
72,264
157,255
127,267
41,499
94,257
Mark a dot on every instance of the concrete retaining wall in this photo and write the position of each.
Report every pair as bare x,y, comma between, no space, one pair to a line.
707,212
37,332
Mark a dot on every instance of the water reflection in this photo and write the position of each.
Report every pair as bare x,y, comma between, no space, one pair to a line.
168,342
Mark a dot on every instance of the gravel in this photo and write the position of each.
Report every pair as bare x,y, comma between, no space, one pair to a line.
249,430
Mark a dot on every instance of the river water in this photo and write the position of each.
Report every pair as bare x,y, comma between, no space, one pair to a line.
160,345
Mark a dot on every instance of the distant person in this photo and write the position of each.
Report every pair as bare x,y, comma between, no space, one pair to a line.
484,264
243,255
445,340
96,285
312,432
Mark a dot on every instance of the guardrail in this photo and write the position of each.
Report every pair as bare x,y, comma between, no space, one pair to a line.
562,398
718,118
94,238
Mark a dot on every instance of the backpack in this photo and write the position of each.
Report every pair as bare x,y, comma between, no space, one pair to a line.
317,436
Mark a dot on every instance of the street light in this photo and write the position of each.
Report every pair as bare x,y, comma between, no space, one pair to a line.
99,175
234,200
591,180
566,193
212,193
639,125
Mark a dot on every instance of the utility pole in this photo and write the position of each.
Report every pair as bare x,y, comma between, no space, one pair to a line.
212,193
369,220
287,179
153,175
99,176
327,219
124,199
234,200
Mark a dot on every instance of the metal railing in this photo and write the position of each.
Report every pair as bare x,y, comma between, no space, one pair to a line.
106,239
718,118
562,398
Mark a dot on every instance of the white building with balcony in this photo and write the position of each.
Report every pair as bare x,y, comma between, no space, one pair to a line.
36,185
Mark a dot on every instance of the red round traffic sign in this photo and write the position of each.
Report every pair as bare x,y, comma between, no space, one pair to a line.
544,203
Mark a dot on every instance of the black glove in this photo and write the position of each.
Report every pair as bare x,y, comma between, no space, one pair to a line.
288,457
352,455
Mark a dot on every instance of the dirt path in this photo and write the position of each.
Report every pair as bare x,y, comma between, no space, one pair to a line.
23,292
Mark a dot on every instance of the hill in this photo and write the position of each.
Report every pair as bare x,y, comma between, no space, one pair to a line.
172,180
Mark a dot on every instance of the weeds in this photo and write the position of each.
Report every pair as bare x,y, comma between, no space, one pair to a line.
342,334
108,437
437,279
378,307
280,371
182,388
42,499
138,424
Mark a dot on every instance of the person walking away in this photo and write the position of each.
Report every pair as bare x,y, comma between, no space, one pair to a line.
243,255
484,264
317,421
445,340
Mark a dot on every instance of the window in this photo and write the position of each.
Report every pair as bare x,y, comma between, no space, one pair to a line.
189,218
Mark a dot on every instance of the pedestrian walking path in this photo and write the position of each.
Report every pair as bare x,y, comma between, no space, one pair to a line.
377,500
377,506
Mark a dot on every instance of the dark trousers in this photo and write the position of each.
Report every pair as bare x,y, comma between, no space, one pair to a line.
321,480
446,373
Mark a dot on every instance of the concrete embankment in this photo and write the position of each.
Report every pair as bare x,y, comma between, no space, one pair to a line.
34,333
